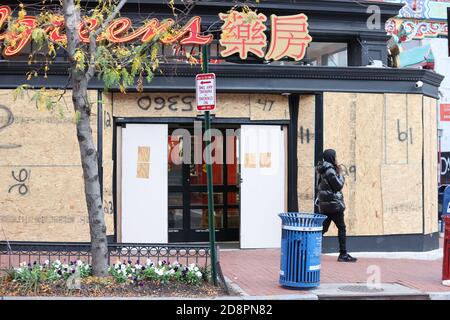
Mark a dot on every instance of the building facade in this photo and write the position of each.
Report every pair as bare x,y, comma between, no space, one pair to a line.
381,123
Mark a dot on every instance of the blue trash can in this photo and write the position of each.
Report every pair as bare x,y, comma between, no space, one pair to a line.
301,249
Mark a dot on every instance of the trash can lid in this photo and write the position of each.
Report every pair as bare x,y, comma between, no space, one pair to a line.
302,219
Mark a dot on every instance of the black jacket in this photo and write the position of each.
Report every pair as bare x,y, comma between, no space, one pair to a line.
330,184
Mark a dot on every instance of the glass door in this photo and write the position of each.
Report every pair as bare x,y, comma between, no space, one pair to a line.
188,198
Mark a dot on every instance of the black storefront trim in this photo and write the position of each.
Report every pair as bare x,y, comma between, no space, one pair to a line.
318,139
294,101
100,141
123,121
386,243
264,78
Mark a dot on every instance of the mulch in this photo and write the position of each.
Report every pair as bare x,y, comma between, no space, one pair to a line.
107,287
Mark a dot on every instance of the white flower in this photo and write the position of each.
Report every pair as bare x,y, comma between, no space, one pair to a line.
171,271
19,270
159,272
149,262
79,263
160,263
116,266
23,264
138,266
123,267
198,274
196,269
46,262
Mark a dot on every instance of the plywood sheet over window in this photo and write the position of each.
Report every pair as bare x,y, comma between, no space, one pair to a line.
41,179
306,152
108,164
378,142
430,165
229,105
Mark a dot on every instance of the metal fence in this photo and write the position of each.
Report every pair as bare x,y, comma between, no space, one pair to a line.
14,253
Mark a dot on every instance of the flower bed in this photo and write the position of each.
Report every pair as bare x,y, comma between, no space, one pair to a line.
125,278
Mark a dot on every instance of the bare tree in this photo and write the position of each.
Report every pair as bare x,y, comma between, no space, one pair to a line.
116,64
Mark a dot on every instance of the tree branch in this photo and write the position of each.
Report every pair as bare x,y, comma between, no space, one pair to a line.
93,39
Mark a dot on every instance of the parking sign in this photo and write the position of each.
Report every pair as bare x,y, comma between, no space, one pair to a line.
205,91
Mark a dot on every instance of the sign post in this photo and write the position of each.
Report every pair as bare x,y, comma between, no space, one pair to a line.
206,101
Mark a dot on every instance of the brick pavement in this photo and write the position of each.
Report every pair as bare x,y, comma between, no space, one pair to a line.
256,272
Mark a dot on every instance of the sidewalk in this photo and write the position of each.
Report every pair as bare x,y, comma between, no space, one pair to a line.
256,272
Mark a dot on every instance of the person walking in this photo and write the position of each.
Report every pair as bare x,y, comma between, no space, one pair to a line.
331,201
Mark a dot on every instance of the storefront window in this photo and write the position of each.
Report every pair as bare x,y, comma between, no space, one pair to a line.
199,218
201,198
175,218
175,154
329,54
175,199
233,218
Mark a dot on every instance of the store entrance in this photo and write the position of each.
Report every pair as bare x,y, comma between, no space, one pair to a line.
187,184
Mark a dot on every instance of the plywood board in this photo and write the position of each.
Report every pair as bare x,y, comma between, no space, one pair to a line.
378,141
402,200
108,164
414,106
232,106
49,205
396,135
269,107
340,134
306,153
364,173
430,166
154,105
41,176
402,169
254,106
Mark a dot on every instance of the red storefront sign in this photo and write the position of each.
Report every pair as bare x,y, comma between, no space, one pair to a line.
445,111
241,33
118,31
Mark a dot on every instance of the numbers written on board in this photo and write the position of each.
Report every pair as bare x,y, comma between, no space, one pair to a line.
22,178
348,171
173,103
266,104
6,122
107,119
108,207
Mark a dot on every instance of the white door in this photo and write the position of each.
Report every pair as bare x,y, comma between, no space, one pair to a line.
144,183
262,160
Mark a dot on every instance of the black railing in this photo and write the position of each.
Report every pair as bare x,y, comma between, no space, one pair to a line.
14,253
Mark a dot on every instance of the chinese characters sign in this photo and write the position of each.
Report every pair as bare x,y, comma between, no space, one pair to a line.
242,33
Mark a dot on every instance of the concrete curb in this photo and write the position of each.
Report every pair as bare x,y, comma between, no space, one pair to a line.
243,298
428,255
439,295
234,286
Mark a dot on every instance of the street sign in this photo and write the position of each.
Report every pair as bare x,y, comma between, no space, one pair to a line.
205,92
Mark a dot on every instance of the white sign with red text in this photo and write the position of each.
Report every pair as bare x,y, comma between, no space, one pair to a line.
205,92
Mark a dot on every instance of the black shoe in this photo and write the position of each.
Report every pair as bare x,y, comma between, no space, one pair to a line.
346,258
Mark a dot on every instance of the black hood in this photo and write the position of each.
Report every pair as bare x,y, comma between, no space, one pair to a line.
329,155
323,166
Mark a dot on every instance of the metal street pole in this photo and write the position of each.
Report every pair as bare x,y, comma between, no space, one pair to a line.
211,221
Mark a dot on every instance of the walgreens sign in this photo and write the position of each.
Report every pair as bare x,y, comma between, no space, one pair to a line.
118,31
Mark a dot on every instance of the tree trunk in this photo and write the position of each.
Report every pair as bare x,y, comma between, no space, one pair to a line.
89,156
97,227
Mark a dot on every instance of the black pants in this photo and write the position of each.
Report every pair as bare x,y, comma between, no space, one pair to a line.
338,219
